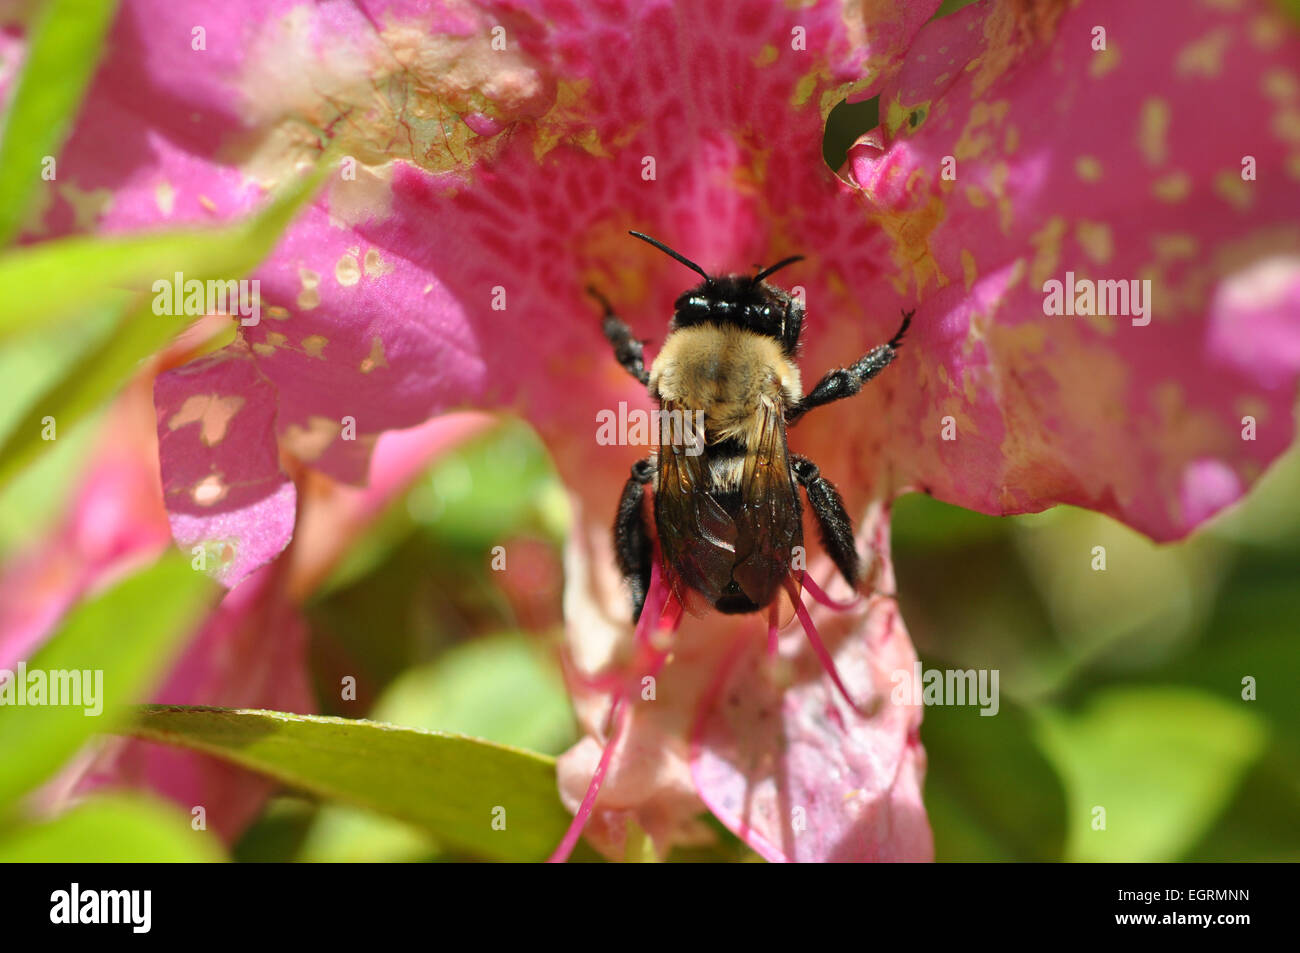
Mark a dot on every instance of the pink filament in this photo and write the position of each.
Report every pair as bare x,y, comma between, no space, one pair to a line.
820,595
819,647
772,626
562,852
663,607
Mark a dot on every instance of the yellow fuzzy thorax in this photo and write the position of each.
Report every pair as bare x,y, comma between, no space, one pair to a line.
726,372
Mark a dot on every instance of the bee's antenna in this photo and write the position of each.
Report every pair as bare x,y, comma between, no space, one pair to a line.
777,267
668,251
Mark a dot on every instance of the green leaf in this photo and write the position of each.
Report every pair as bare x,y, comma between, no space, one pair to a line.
84,386
55,281
112,829
446,784
501,688
990,793
127,636
33,500
1163,763
63,50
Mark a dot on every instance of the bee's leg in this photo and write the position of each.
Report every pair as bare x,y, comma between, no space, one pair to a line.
834,523
627,349
847,381
632,535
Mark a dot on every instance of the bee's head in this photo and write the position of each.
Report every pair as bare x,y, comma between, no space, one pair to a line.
742,301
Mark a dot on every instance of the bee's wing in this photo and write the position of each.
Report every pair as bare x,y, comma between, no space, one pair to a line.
769,524
696,535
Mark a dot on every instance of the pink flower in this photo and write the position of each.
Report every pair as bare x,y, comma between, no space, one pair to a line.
502,151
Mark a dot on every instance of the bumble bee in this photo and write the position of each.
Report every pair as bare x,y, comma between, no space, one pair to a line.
729,516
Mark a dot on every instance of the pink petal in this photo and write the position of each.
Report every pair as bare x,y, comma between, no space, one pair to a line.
788,764
221,475
1100,164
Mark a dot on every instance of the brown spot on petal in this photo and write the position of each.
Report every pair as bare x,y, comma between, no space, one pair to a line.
1234,190
1012,28
87,205
211,411
1088,168
1153,129
1103,61
1095,239
1172,188
1267,31
309,296
347,272
1047,242
1204,57
374,264
968,267
209,491
315,346
308,443
376,358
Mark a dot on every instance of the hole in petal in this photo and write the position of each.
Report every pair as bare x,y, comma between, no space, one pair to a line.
845,124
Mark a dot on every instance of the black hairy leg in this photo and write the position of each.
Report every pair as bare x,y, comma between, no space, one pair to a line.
632,535
627,350
847,381
828,509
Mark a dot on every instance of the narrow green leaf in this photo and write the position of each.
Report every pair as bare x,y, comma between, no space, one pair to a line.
85,386
63,50
124,638
449,785
112,829
59,280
